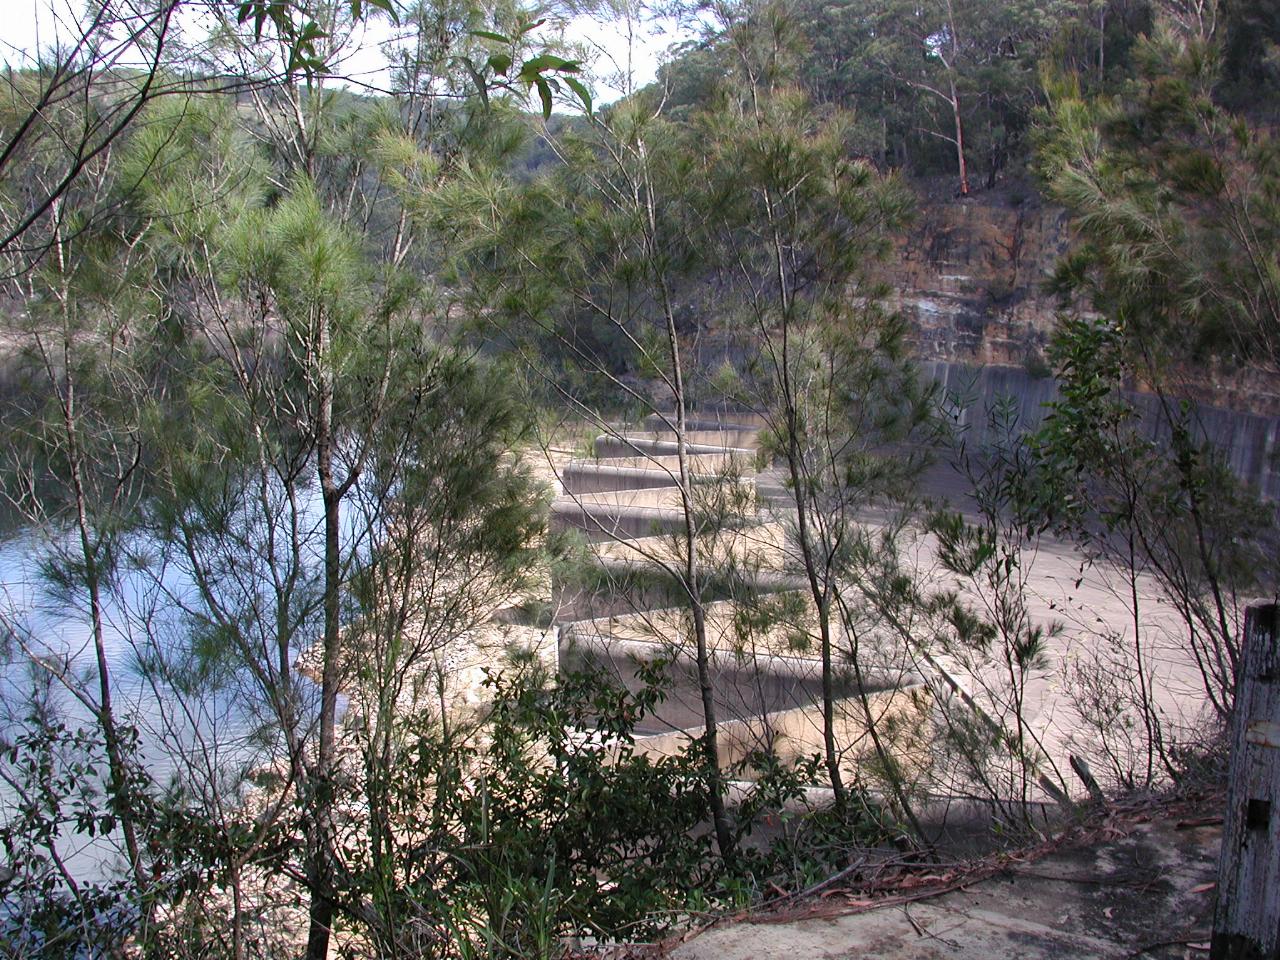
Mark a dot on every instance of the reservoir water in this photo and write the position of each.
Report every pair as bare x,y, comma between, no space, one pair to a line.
201,722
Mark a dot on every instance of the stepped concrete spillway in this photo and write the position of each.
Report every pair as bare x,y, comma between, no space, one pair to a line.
630,607
626,605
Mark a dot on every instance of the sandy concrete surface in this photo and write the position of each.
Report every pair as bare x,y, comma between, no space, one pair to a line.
1128,890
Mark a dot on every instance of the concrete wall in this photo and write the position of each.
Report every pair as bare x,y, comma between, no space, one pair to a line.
596,476
706,418
666,496
699,463
610,446
1249,442
633,473
604,522
796,734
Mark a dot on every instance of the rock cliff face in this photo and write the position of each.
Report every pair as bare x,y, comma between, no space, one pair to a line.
970,277
970,281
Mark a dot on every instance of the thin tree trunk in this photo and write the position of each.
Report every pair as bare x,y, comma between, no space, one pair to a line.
692,566
820,591
1102,43
118,785
961,165
951,65
819,588
887,761
697,608
319,870
118,775
237,915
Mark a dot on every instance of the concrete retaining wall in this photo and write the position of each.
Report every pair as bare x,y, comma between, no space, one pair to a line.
796,734
611,446
606,522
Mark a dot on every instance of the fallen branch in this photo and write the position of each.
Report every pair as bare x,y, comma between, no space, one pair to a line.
1200,822
1196,941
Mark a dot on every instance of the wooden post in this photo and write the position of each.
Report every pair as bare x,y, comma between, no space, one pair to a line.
1246,923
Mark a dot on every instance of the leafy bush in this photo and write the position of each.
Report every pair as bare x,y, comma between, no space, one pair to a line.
542,822
545,823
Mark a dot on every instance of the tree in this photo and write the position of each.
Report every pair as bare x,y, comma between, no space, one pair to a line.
284,324
456,526
974,63
319,371
106,67
74,448
984,623
795,228
589,267
1250,35
1168,178
1173,197
92,373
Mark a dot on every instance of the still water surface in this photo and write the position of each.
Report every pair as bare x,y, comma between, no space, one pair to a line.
202,734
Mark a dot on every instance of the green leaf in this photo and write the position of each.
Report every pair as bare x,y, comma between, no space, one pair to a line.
304,60
490,35
386,6
310,33
583,94
500,63
548,61
530,27
544,91
481,87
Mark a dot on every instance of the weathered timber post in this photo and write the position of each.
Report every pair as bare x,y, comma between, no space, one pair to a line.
1246,923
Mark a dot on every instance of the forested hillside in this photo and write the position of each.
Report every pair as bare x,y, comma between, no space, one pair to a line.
445,516
972,275
953,88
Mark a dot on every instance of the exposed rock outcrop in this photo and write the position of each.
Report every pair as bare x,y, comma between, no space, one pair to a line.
970,276
970,280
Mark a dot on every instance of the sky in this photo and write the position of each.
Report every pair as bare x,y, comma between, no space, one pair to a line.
615,49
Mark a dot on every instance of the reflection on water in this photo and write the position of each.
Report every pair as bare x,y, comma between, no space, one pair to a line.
202,722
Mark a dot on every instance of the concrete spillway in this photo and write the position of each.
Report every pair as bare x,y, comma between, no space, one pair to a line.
631,608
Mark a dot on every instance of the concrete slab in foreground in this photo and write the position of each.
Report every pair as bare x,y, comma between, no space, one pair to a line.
1145,891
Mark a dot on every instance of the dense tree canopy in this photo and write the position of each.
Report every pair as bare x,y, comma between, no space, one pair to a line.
917,77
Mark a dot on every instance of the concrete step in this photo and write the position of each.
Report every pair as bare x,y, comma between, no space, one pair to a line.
761,544
792,729
706,418
657,494
753,687
713,436
666,495
630,445
754,581
766,678
608,521
597,476
579,640
705,463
